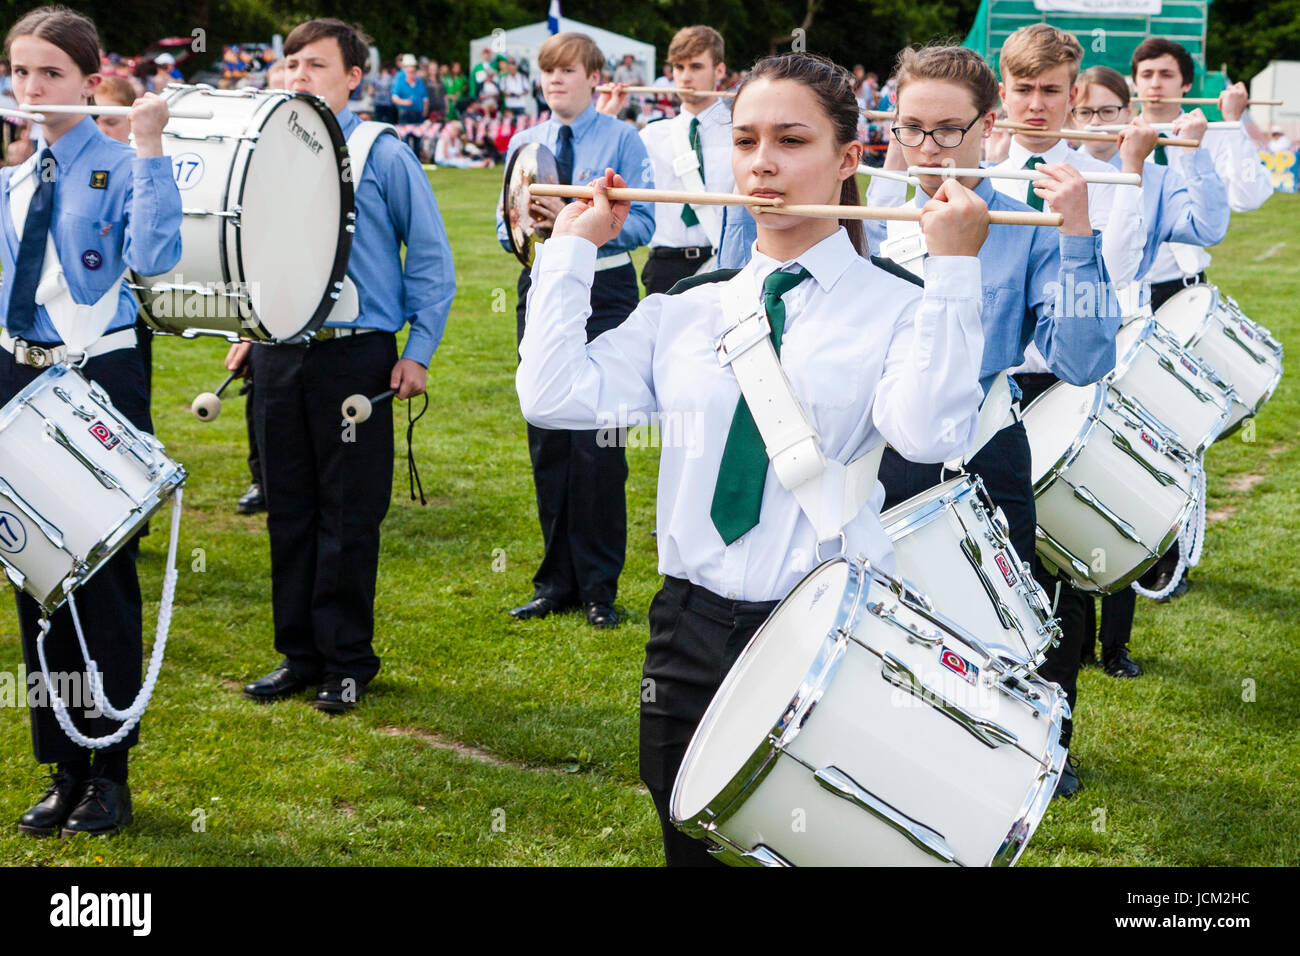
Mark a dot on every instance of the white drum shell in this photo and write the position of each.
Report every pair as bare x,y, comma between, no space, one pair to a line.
952,545
1095,465
1243,354
48,492
974,804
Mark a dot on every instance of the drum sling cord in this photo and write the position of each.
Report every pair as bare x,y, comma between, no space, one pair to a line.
413,471
1191,538
131,716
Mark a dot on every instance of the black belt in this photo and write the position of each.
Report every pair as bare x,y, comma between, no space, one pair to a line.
685,252
715,606
1174,285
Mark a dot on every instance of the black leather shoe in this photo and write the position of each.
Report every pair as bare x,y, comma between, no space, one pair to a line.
338,695
105,807
51,811
602,615
1068,784
277,685
1181,588
538,607
252,501
1120,664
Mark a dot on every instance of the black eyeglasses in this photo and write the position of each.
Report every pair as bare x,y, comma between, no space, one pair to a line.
945,137
1105,113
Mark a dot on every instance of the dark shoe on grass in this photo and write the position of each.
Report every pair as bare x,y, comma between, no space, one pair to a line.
105,808
51,811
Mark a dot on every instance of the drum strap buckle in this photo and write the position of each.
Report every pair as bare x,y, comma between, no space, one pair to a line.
839,552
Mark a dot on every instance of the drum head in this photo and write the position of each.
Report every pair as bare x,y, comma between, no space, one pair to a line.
759,688
1184,312
1055,420
292,244
531,163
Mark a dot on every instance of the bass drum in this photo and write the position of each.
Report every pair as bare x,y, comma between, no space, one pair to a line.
856,729
1242,353
268,217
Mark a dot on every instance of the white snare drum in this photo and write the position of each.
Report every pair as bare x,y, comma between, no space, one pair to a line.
1213,328
953,544
1170,385
77,481
1112,489
855,729
268,217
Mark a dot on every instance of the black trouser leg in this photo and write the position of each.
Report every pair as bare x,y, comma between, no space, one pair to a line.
1117,620
661,274
108,604
1062,663
550,452
250,425
327,489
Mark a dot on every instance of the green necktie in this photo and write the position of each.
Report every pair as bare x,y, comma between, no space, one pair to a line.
688,214
1034,200
1160,157
738,495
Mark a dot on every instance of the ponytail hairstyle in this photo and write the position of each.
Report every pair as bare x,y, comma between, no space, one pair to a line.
68,30
833,87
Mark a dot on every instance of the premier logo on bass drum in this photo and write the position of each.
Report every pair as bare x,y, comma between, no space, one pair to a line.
1005,567
959,666
302,133
104,435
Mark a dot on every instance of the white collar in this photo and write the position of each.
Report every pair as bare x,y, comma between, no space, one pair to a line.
1059,152
826,261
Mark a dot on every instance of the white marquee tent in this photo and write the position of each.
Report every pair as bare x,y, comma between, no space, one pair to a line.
524,42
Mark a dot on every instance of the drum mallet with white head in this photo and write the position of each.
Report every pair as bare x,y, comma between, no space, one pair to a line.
357,408
207,405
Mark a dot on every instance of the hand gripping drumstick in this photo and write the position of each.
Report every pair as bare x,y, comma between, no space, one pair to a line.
357,408
778,206
207,405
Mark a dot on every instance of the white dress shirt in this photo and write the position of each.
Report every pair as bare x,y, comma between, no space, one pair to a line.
1115,211
1247,182
715,144
871,357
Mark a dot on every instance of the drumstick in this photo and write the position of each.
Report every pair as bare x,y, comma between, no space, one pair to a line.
22,114
1166,127
893,174
1083,134
898,213
113,111
207,406
609,88
1114,179
620,193
357,408
909,214
1200,100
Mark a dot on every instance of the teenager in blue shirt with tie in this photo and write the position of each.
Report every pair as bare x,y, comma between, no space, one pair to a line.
327,489
106,207
580,478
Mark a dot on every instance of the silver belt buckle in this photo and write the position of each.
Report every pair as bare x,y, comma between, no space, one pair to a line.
728,351
692,253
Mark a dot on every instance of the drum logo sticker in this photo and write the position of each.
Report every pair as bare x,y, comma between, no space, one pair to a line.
1004,566
99,179
104,435
959,666
92,259
13,533
1154,445
1246,329
1187,364
187,170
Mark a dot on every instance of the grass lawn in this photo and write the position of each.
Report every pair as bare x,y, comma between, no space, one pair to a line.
484,741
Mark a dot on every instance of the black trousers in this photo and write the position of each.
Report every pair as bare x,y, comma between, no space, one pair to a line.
580,481
1003,465
327,488
250,425
108,604
661,273
695,637
1073,607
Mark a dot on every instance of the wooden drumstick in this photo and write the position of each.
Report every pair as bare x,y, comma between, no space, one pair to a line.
952,172
623,193
357,408
908,214
112,111
207,405
1083,134
1199,100
609,88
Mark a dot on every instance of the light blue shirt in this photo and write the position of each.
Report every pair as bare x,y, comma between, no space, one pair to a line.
1035,279
599,141
112,210
395,206
739,230
1188,207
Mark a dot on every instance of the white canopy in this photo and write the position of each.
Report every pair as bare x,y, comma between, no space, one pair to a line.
524,42
1280,80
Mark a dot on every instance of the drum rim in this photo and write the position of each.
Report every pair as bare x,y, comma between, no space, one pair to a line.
762,759
1039,797
347,214
1076,445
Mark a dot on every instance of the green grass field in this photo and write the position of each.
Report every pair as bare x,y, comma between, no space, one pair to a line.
484,741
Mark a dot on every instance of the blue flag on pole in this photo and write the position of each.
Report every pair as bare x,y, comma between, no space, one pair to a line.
553,18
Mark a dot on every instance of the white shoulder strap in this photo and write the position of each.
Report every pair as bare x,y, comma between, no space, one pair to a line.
994,415
905,245
686,165
830,493
347,307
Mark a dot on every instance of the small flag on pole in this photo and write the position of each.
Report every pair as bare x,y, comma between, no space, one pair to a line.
553,18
